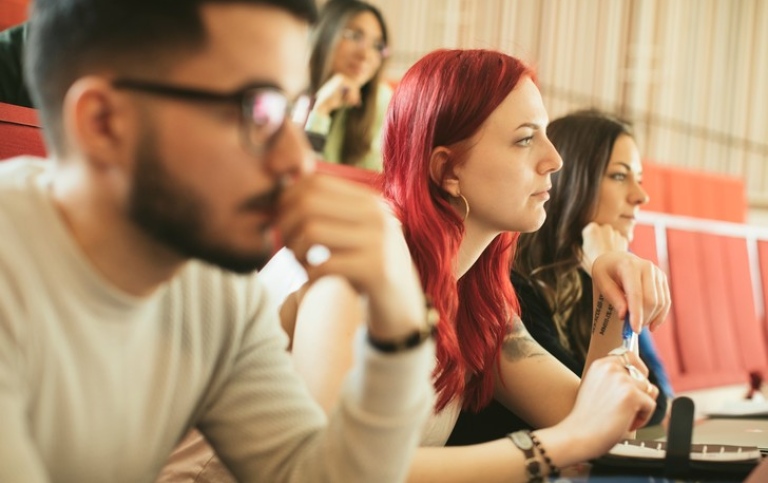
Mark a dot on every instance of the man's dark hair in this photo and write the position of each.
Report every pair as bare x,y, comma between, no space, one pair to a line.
71,38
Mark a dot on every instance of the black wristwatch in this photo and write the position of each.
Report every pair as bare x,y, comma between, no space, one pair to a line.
523,441
413,339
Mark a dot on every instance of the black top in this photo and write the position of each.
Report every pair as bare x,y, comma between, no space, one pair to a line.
496,421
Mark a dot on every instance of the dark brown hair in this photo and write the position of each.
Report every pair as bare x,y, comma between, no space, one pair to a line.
71,38
358,129
550,258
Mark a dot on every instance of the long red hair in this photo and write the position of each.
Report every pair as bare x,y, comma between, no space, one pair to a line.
441,101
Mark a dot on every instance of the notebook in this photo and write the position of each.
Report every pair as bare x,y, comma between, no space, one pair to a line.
633,448
715,447
735,432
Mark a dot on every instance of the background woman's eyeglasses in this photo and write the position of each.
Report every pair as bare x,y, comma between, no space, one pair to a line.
361,41
263,109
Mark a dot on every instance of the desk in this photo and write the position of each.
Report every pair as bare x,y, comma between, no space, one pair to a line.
584,474
601,474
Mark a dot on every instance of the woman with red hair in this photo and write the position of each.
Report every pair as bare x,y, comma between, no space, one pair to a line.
467,167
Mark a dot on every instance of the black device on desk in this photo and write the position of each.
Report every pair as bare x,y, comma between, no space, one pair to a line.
678,458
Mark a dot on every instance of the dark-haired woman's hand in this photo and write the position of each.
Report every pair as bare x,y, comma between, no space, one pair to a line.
597,240
630,283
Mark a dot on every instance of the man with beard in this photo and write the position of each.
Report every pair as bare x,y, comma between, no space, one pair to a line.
173,164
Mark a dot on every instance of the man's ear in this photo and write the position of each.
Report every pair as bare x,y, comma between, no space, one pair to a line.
440,171
96,120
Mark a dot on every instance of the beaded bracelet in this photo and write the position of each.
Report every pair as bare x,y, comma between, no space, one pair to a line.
553,470
522,439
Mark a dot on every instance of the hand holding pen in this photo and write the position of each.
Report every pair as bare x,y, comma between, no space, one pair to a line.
629,336
636,288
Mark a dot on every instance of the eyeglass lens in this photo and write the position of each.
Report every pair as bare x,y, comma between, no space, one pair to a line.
361,40
266,111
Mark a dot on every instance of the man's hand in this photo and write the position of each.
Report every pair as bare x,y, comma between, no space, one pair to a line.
365,246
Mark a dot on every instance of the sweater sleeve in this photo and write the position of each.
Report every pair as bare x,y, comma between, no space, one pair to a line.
317,129
266,427
19,459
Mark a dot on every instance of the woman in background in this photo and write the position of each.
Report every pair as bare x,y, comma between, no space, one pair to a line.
594,202
349,47
467,166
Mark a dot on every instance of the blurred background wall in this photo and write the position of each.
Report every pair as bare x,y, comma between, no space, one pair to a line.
691,74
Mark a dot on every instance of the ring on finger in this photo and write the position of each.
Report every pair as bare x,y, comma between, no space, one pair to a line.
622,353
317,254
634,372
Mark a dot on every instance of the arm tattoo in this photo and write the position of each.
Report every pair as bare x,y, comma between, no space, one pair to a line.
607,318
598,309
518,343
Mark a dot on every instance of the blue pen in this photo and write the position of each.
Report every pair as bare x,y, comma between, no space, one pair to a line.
628,336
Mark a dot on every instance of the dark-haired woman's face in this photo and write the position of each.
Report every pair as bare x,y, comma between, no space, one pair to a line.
360,49
621,193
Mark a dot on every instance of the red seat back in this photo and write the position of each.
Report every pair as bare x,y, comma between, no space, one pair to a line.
20,132
13,12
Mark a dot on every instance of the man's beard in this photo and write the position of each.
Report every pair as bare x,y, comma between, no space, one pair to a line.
175,215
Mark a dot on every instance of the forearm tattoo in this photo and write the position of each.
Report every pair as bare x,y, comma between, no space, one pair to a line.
598,311
518,343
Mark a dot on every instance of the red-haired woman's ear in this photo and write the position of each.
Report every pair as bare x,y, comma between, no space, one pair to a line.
441,171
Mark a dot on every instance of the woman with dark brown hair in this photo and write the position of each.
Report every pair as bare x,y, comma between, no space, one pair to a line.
594,201
349,46
467,168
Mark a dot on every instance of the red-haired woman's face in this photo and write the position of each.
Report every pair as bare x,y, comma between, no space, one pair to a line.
506,174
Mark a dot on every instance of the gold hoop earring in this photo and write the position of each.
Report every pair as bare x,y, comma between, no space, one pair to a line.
466,205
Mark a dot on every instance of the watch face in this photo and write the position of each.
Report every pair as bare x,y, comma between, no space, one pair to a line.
522,440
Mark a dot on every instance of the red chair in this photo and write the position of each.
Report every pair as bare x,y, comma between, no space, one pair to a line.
654,183
644,246
359,175
13,12
20,132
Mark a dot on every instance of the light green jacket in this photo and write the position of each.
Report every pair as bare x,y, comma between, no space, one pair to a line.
333,130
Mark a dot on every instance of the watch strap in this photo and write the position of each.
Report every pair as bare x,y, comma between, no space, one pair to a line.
522,439
414,339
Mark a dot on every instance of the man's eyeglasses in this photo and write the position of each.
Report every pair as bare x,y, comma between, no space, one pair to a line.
361,41
263,109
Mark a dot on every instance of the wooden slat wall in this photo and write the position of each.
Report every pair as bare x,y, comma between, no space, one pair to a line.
691,74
